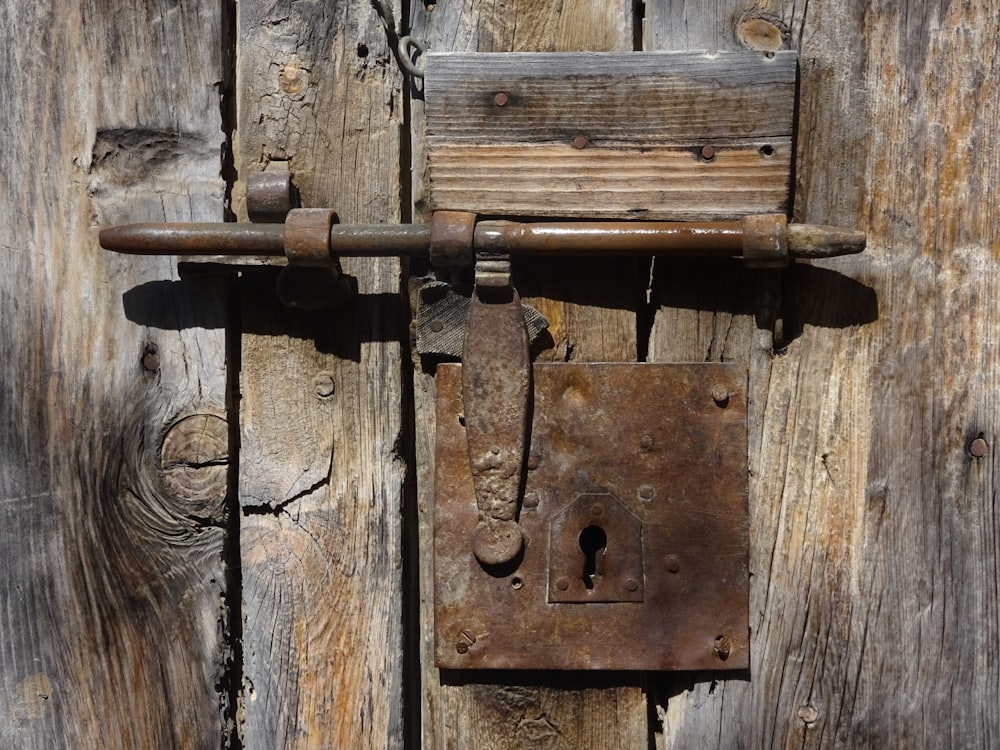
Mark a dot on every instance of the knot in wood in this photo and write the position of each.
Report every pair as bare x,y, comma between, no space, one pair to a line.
194,463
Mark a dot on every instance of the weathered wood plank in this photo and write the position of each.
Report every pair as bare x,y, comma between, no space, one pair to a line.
672,135
593,318
651,98
321,473
112,580
710,25
874,552
605,182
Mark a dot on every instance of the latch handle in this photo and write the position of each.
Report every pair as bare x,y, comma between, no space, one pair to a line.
496,392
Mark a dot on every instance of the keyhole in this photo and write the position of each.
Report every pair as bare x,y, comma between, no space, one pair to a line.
593,542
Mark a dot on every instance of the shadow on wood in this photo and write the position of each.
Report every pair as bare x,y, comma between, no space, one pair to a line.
726,286
337,330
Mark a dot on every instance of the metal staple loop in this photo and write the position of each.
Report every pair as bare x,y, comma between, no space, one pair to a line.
408,64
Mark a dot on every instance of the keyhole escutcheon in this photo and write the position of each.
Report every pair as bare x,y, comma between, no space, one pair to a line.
593,544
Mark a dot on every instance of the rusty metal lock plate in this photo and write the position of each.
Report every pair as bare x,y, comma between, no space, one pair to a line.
635,522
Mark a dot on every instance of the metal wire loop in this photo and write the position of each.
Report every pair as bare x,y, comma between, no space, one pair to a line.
408,64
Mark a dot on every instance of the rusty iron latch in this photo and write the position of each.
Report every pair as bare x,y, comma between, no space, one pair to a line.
586,515
581,474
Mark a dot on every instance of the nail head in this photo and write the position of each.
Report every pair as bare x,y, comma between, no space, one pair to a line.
979,448
723,647
720,394
323,385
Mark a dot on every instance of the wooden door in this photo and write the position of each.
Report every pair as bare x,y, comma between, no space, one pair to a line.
216,510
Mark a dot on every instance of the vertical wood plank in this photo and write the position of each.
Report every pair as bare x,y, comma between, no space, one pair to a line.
874,549
592,311
113,452
696,24
321,470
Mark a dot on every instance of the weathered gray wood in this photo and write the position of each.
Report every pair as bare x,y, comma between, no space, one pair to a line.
321,470
711,25
610,134
874,553
112,579
591,318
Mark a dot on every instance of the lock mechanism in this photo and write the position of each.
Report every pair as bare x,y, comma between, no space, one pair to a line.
633,518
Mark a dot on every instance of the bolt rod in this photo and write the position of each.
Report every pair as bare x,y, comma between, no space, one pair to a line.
625,238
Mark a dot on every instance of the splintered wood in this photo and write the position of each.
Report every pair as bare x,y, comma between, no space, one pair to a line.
662,135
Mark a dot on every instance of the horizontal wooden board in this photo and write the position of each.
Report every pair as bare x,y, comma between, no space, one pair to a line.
659,182
610,134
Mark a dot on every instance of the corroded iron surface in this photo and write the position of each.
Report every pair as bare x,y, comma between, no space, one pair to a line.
660,448
549,239
496,383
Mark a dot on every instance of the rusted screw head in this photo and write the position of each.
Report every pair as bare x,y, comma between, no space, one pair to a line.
647,492
720,394
631,584
465,639
437,326
580,141
562,584
979,448
533,461
673,563
500,99
596,510
323,385
723,647
708,153
646,442
530,500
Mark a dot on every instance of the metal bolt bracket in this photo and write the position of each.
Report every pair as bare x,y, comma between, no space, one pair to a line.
271,194
452,239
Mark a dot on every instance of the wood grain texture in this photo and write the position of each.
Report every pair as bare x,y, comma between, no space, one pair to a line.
711,25
592,318
112,578
874,550
610,134
321,470
608,182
